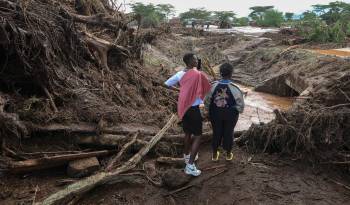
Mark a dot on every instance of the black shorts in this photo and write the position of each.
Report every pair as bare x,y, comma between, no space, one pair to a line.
192,122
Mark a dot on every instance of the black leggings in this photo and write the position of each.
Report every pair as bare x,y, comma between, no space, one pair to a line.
223,121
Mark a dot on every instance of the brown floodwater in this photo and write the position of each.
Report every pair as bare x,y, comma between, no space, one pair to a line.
259,107
343,52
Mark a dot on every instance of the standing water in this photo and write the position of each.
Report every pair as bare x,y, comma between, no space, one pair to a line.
259,107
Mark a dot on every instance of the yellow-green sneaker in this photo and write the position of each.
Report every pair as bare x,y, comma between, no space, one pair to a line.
215,156
229,156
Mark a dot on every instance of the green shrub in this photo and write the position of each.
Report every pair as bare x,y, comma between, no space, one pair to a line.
243,21
348,29
318,31
336,33
271,18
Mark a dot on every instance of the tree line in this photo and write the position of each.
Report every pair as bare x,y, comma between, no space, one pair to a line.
324,23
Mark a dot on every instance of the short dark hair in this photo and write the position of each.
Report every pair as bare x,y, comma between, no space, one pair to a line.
188,57
226,70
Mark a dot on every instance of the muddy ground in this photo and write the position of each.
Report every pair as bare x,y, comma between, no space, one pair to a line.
250,178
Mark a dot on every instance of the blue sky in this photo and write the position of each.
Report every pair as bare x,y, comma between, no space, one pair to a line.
240,7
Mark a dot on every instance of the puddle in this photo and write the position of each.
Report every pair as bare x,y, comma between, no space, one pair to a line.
343,52
259,107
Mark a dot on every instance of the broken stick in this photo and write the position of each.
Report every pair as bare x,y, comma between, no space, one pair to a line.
85,185
112,163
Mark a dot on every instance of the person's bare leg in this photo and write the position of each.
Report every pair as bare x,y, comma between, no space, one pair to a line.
195,148
187,144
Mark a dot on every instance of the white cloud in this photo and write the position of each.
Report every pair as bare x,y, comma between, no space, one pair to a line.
241,7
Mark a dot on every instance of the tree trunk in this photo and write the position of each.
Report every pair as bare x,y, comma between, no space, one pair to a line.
85,185
54,161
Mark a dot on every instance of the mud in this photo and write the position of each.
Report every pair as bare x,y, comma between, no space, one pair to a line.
250,179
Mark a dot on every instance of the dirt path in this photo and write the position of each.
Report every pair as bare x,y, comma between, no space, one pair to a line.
259,179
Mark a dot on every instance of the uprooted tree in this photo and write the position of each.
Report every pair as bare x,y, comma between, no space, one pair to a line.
66,65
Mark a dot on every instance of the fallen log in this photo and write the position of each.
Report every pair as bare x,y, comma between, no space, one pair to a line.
106,140
85,185
177,162
89,128
114,140
49,162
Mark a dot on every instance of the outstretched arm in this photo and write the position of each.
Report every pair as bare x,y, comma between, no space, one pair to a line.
172,81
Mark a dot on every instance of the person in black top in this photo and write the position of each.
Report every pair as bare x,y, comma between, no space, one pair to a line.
224,103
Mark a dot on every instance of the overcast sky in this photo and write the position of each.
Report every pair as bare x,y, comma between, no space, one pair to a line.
240,7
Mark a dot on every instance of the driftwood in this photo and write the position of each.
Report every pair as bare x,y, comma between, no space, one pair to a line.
98,20
54,161
280,118
103,47
178,162
112,163
88,128
105,140
3,102
117,139
89,183
11,123
52,103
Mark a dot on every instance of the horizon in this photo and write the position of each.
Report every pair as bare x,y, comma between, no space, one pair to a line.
240,7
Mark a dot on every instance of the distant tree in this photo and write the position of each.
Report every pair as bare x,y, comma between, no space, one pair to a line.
272,18
288,16
151,15
258,12
309,15
243,21
333,11
225,18
166,9
199,13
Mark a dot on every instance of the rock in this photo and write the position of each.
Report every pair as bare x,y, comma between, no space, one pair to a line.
175,178
83,167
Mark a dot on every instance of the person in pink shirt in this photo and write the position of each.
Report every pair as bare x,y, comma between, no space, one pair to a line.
194,85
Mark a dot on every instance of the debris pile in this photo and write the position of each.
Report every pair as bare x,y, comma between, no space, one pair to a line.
317,128
73,92
62,65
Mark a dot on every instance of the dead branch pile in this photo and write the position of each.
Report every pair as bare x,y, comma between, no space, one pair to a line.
66,61
318,130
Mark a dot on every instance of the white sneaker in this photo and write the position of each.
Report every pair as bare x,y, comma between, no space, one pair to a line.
191,169
187,158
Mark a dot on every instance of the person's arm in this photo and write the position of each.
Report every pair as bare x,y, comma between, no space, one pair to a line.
238,95
172,81
208,97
